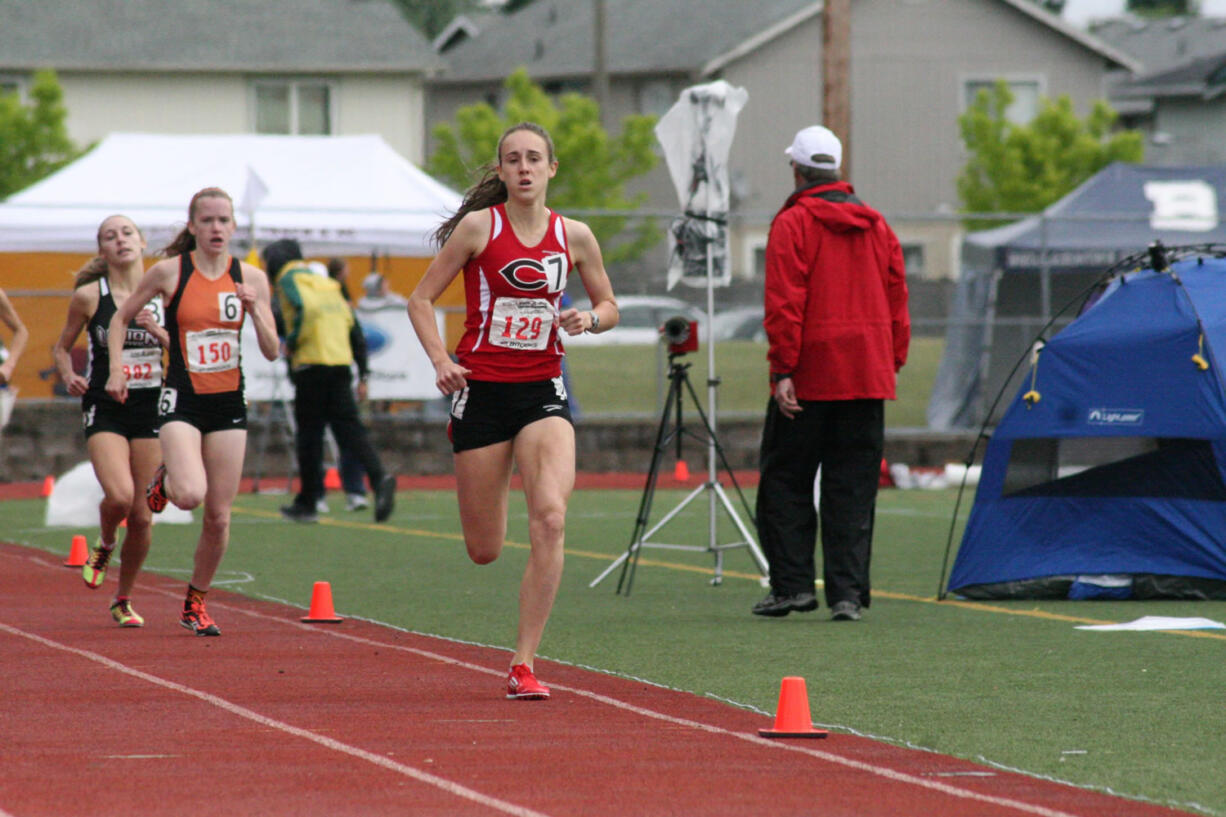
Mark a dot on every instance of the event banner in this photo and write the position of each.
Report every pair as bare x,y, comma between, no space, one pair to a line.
399,368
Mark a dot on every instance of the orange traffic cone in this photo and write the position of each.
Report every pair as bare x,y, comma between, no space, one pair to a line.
332,480
79,552
48,485
681,471
321,611
792,716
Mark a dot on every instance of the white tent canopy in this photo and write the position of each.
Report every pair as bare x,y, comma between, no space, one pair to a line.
338,195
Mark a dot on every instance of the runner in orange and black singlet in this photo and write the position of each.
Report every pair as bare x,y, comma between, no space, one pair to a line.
204,380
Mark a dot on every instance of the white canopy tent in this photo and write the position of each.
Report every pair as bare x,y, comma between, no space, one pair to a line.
338,195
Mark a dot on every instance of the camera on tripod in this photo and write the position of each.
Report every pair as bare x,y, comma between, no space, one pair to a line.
681,335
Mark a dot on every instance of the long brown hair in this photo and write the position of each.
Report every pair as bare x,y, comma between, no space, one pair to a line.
489,189
186,242
95,268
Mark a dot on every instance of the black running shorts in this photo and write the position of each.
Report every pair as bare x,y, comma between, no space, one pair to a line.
136,419
485,412
207,412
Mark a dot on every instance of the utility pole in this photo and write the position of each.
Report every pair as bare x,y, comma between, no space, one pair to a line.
836,74
600,73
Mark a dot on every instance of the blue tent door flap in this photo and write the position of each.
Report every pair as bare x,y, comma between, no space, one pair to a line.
1106,477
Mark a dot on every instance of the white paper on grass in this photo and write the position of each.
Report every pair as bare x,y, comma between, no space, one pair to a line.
1159,623
75,496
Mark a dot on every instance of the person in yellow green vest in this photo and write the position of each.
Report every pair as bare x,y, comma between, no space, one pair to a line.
318,324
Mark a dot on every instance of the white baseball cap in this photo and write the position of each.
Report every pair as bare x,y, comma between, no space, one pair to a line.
816,147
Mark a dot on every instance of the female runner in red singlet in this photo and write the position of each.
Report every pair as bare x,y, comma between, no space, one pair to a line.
201,407
509,406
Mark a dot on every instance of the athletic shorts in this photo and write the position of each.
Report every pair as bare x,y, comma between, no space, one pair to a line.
136,419
485,412
207,412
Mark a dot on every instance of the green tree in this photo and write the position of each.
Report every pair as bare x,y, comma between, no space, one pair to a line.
593,167
1024,168
1159,8
34,141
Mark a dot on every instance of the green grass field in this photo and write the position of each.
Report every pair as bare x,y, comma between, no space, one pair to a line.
742,369
1015,684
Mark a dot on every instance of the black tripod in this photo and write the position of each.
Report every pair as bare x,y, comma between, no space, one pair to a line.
672,429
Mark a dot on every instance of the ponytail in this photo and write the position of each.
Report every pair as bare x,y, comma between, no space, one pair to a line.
185,241
489,189
92,271
487,192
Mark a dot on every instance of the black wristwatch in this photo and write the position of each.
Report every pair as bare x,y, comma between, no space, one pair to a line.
776,377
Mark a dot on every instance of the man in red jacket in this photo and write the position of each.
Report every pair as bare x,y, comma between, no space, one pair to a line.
837,322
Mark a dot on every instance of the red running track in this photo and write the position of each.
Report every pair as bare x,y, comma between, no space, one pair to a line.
277,717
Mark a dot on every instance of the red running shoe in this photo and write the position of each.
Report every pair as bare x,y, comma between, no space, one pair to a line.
522,685
155,494
198,620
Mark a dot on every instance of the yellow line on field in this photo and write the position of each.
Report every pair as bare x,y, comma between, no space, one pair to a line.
734,574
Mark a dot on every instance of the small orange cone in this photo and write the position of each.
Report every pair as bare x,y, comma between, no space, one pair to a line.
79,552
681,471
48,485
792,717
321,611
332,480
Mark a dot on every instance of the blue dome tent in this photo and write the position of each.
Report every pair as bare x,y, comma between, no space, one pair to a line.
1106,476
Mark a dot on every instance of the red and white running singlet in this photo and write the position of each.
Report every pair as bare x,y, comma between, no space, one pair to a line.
512,293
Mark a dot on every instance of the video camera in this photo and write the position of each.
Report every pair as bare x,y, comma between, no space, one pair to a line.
681,335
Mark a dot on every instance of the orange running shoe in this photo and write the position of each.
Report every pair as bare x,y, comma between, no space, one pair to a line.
197,619
155,494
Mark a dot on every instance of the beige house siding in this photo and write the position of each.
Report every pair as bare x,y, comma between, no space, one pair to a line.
99,104
103,103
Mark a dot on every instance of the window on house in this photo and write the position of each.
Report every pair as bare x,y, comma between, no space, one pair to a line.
913,259
293,107
1026,92
564,86
655,97
10,85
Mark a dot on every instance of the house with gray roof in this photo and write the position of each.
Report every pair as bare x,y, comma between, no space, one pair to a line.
1179,100
1163,43
914,67
242,66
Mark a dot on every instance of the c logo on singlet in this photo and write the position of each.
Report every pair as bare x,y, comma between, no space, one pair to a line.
531,275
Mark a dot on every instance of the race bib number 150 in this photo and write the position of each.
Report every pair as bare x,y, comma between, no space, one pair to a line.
212,350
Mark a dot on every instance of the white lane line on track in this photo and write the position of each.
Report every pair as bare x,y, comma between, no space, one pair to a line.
880,771
379,760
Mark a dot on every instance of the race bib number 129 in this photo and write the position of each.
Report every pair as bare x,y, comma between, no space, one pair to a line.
521,323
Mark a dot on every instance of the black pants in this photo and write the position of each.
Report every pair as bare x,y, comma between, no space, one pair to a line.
845,438
323,395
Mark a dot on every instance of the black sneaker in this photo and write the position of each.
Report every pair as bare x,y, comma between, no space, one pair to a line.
845,611
776,605
298,513
385,497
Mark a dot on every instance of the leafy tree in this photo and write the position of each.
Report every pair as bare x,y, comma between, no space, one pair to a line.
34,141
430,17
1159,8
593,168
1024,168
